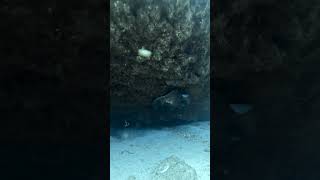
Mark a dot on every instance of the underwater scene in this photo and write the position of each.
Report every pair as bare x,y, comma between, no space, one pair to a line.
160,89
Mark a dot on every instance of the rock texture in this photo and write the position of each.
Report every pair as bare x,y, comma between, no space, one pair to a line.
174,101
173,168
176,32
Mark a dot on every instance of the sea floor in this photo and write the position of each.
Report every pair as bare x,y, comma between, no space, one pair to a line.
135,152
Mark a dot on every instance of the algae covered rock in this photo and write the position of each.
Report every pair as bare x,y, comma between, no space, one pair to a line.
173,168
175,34
173,101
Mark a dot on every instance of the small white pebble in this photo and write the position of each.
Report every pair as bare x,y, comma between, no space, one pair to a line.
144,53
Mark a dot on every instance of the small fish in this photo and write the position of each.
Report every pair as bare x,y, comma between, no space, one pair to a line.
126,124
185,95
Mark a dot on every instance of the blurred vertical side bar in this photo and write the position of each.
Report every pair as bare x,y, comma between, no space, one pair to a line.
212,95
107,88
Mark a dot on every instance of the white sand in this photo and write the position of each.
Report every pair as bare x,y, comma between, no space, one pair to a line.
139,151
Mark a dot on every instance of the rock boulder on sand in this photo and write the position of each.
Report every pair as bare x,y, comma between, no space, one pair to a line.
173,168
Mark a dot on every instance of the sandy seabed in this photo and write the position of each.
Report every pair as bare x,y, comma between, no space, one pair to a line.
135,152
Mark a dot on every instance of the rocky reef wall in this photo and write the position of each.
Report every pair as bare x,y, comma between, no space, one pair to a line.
177,32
